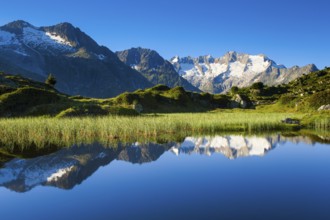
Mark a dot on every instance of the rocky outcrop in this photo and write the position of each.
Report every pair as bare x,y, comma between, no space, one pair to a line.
240,101
290,121
324,108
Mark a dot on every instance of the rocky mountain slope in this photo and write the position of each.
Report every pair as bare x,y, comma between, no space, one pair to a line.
218,75
154,67
80,65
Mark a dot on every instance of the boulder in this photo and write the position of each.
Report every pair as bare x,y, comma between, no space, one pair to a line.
137,107
290,121
324,107
240,101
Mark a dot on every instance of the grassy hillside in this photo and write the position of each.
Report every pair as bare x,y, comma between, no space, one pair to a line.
23,97
305,94
162,99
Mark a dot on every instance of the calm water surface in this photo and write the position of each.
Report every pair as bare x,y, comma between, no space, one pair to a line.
220,177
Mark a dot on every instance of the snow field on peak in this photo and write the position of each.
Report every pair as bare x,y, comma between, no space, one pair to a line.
58,39
7,38
37,38
175,59
256,64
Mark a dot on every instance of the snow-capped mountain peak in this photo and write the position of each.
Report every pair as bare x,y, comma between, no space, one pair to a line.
17,25
37,38
218,75
20,36
62,38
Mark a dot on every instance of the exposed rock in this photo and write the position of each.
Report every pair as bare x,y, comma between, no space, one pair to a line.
324,108
137,107
240,101
290,121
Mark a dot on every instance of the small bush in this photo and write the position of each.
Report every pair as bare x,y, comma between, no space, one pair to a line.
287,100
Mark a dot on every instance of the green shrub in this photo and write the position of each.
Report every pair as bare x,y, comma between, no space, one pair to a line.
318,99
95,110
160,87
287,100
19,101
83,110
6,89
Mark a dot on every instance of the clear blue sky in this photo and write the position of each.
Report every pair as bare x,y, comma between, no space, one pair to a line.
288,31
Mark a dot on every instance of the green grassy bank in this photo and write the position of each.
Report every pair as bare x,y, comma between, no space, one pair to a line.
66,131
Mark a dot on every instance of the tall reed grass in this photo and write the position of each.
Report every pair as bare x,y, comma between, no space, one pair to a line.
68,131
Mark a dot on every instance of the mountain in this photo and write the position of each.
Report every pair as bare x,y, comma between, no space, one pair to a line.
21,97
154,67
218,75
80,65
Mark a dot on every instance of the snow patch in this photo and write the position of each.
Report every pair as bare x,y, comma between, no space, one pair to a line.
7,38
258,64
187,70
100,56
175,59
21,52
136,67
58,39
36,38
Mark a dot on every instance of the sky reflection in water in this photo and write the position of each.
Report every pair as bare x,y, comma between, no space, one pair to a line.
230,177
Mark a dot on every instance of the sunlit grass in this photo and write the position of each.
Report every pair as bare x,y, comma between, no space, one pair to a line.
67,131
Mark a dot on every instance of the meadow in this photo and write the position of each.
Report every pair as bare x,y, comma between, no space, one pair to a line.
41,131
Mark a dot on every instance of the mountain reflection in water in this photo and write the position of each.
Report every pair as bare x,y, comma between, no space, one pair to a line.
69,167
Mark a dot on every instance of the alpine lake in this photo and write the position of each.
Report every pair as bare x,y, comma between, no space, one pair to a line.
275,175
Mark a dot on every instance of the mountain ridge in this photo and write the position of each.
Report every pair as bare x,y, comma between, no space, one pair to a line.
154,67
218,75
80,65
